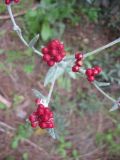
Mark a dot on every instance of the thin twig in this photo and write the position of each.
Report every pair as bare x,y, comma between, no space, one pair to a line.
6,17
102,48
7,126
105,94
35,146
92,152
5,101
18,31
52,86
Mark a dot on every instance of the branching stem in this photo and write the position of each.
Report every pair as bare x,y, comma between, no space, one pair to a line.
19,33
102,48
52,86
105,94
17,29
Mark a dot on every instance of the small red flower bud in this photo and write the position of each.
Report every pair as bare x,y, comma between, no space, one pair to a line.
79,56
54,52
45,118
46,57
40,111
58,58
61,47
45,50
75,68
16,1
34,124
63,54
91,78
50,63
99,69
41,106
79,63
43,125
40,119
33,118
38,101
95,71
50,125
51,115
89,72
54,44
56,41
47,110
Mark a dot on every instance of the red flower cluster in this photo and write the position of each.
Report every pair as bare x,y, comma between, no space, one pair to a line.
78,62
92,72
10,1
42,117
54,52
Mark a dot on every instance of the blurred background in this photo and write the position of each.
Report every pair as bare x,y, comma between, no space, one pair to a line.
88,131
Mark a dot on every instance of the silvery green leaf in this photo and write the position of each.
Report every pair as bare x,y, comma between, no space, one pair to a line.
104,75
70,73
52,133
89,1
102,84
70,58
115,107
38,94
33,41
52,73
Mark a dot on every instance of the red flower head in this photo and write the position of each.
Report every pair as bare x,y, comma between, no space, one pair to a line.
54,52
42,117
10,1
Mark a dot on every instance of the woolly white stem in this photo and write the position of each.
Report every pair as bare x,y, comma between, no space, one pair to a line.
51,88
102,48
17,29
105,94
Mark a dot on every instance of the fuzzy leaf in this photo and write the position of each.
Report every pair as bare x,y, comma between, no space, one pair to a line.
33,41
2,106
38,94
89,1
70,73
52,73
45,31
61,68
52,133
15,142
102,84
114,107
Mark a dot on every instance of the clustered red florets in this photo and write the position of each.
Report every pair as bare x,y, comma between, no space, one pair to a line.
54,52
78,62
10,1
42,117
92,72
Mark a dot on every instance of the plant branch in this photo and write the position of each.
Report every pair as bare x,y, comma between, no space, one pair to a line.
51,88
98,88
102,48
105,94
17,29
5,101
6,17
